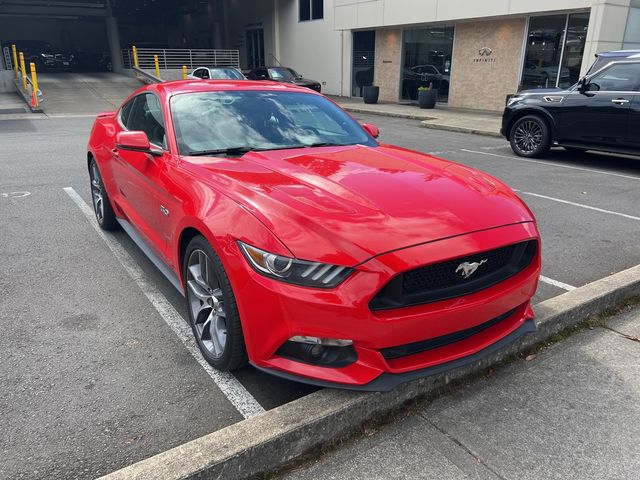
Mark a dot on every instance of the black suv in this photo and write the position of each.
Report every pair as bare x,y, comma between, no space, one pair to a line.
600,112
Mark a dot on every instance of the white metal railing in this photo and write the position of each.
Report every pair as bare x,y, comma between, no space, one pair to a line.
8,64
174,58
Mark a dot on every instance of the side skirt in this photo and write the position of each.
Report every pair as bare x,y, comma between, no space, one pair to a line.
151,255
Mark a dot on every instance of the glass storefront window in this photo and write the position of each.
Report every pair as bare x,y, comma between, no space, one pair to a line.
548,47
574,48
427,61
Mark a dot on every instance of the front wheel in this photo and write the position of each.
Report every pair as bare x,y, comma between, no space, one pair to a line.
213,312
101,205
530,137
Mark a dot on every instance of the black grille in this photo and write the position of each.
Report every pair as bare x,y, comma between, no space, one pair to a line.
418,347
446,280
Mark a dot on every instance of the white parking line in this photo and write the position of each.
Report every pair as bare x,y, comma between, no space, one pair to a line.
556,283
520,159
235,392
589,207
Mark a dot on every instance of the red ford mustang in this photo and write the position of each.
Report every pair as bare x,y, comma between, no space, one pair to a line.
304,246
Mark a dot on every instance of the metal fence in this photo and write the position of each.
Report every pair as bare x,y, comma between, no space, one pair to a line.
174,58
7,59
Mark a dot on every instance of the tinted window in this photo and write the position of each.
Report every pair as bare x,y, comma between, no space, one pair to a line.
124,113
204,73
618,78
260,120
146,115
310,10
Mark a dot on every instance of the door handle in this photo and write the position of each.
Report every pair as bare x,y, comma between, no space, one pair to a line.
619,101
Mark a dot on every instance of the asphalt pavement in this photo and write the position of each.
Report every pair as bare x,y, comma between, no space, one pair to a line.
95,377
570,412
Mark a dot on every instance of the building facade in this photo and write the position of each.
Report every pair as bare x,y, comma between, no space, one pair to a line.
474,52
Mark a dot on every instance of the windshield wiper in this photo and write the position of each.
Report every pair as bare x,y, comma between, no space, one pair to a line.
220,152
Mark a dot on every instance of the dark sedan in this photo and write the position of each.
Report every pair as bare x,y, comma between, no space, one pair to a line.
44,55
283,75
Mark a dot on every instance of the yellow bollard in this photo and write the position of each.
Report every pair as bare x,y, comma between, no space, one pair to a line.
135,56
155,60
16,66
34,84
24,72
184,72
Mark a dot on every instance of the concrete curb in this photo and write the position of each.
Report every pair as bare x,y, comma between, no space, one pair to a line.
424,121
453,128
268,441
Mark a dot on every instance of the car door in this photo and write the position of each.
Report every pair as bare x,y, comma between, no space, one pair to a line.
633,135
599,115
140,176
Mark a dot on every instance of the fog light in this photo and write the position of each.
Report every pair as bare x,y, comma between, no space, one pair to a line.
325,352
327,342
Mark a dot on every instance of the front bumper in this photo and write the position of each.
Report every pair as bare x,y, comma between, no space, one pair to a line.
272,312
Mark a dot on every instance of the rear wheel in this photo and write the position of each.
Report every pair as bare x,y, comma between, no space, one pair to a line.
101,204
213,312
530,137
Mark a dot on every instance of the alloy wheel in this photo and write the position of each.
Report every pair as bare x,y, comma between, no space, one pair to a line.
206,301
97,192
528,136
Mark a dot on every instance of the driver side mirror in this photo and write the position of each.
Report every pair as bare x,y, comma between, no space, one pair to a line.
371,129
136,141
583,84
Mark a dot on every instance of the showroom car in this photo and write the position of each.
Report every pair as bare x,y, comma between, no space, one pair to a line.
46,57
283,75
600,112
304,246
217,73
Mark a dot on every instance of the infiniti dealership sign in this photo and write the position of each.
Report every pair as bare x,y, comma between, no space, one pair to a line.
484,56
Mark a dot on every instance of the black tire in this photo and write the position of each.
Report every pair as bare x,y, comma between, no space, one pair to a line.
234,353
574,149
530,137
104,215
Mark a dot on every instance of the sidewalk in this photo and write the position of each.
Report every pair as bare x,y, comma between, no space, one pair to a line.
572,412
441,117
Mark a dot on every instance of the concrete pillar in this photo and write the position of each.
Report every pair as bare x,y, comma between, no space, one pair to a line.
607,24
113,37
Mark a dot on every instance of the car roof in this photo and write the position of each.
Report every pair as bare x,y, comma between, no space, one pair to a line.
178,87
619,53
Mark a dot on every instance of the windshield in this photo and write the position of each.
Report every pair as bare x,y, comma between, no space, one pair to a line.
259,120
284,73
226,73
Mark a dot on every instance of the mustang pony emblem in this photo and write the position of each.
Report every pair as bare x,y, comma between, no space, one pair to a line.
469,269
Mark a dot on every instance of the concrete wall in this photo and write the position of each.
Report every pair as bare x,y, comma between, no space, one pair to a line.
6,81
354,14
482,82
312,48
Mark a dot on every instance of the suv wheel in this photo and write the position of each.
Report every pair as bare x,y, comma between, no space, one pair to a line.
530,137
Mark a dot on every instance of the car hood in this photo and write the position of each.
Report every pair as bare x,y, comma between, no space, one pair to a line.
347,204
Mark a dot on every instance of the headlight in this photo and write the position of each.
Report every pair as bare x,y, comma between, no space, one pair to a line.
292,270
514,99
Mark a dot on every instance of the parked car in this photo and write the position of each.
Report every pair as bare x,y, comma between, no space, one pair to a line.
217,73
46,57
544,76
424,76
283,75
304,246
600,113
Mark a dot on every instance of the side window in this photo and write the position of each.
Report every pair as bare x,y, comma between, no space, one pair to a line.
623,77
262,73
146,115
204,73
124,113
